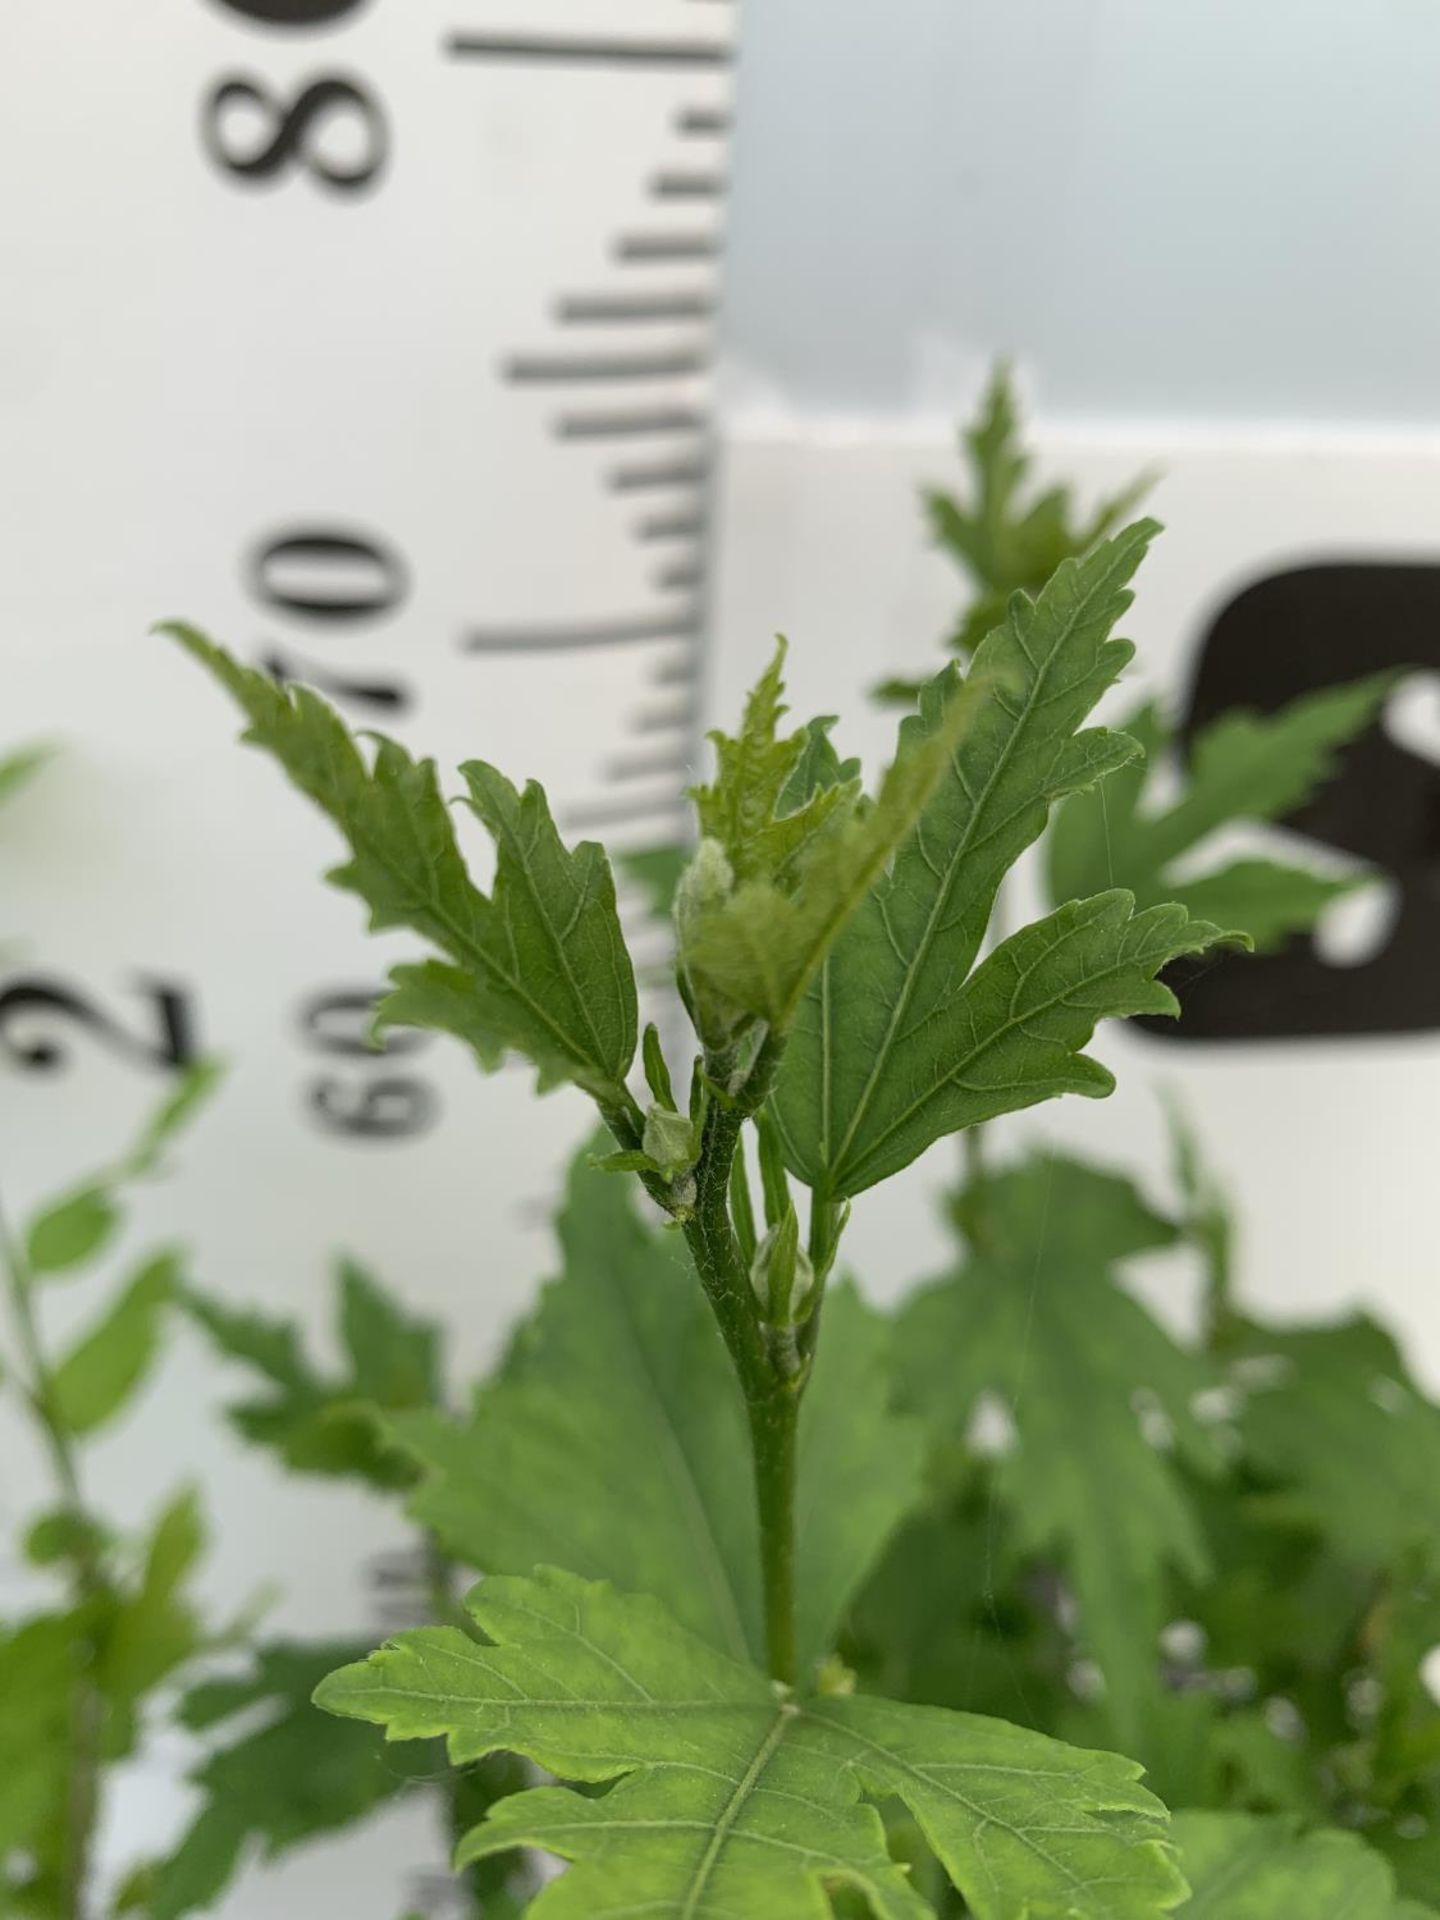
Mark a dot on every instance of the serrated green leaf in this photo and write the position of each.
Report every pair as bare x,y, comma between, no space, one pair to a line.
101,1371
330,1423
1004,544
744,811
887,1038
616,1437
1035,1319
296,1775
539,967
394,1357
1245,767
1243,1868
1013,1035
734,1799
1332,1415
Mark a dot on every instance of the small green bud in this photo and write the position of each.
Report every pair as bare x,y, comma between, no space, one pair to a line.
781,1274
707,881
670,1140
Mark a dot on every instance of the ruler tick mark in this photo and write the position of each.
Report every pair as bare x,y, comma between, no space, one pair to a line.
636,479
636,424
560,48
541,369
689,186
702,122
603,309
684,624
633,248
674,526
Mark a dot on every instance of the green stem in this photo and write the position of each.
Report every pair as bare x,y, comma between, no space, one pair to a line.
772,1400
774,1426
87,1705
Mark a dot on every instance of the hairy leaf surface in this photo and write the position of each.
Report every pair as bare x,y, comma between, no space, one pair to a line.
736,1801
616,1439
801,850
538,967
1035,1318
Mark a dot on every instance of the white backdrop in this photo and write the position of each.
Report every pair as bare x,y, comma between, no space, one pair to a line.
195,365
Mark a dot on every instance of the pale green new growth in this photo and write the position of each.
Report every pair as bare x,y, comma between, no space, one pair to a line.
802,848
538,967
1242,1868
1245,767
740,1801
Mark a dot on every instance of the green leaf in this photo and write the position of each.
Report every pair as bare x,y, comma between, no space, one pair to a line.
1332,1415
18,766
72,1231
888,1044
1245,767
322,1423
743,810
1243,1868
1004,544
395,1359
616,1439
98,1375
196,1085
295,1775
1035,1319
733,1797
539,967
752,947
38,1662
1013,1035
155,1628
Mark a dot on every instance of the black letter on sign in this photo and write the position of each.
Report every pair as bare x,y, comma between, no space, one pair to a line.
1293,634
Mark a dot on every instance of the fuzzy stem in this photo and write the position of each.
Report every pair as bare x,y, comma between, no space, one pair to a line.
772,1399
87,1705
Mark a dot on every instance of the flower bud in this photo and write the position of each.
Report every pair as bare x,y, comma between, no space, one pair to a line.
670,1140
781,1274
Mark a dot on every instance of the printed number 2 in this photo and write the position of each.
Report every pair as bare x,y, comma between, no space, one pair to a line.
295,131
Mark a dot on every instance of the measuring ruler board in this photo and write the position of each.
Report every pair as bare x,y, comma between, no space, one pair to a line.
374,337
